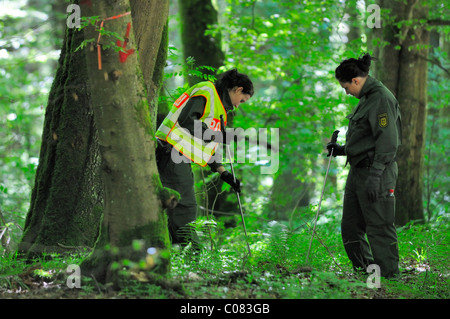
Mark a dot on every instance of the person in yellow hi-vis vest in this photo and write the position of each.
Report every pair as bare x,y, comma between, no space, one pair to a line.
188,134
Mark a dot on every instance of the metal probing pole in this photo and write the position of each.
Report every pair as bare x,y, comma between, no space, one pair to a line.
333,139
222,128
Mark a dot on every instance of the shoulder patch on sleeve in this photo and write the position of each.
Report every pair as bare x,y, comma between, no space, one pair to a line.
383,120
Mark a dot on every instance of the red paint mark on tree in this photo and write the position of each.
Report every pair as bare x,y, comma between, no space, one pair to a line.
123,55
86,2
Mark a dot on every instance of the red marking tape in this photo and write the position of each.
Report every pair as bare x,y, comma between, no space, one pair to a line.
122,55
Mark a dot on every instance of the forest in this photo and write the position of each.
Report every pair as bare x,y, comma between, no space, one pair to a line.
84,86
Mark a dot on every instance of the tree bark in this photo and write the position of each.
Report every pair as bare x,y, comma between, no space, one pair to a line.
105,166
67,198
195,17
132,211
403,69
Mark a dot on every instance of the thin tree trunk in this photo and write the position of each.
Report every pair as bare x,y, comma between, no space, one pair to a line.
196,16
402,67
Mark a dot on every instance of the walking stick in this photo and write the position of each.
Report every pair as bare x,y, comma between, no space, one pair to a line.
222,128
330,154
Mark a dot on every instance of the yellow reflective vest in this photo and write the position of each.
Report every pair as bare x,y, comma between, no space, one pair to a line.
194,147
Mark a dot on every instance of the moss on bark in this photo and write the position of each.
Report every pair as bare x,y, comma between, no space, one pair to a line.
67,193
123,116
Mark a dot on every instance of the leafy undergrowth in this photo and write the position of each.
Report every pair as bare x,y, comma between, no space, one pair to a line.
275,270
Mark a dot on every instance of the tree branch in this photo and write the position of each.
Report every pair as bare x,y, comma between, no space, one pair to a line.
436,62
438,22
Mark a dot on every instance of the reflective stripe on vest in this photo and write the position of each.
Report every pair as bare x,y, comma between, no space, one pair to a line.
191,146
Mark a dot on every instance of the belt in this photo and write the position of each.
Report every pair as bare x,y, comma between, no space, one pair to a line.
364,163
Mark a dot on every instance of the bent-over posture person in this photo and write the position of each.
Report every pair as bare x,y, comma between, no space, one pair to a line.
187,135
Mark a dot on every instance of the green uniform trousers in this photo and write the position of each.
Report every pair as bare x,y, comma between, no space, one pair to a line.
375,220
179,177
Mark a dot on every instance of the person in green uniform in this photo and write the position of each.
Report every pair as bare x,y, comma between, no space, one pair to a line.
189,134
372,141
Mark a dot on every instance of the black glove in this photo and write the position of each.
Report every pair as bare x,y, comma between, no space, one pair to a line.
227,177
338,150
373,183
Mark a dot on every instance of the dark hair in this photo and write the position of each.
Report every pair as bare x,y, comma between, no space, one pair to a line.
233,78
352,68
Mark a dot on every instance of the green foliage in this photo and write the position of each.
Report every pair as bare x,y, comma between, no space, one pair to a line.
290,50
19,276
277,267
286,50
187,68
436,184
424,260
27,59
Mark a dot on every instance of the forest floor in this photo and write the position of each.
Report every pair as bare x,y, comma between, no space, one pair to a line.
276,271
243,294
32,286
304,283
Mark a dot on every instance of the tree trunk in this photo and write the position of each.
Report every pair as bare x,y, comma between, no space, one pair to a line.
148,17
402,67
354,24
66,201
195,17
133,219
76,179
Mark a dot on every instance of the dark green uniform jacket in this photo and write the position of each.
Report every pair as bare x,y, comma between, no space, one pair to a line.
373,137
374,130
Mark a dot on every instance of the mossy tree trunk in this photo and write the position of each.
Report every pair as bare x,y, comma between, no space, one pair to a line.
119,94
105,163
403,68
67,198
